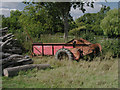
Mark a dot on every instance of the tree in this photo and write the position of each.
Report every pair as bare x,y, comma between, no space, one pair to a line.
12,22
92,21
110,24
39,21
63,10
2,17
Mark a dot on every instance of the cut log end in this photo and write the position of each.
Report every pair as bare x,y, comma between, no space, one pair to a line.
5,71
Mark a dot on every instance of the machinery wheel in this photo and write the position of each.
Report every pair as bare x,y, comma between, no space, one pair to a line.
63,54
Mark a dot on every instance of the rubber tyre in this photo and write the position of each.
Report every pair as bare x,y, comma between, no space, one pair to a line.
66,51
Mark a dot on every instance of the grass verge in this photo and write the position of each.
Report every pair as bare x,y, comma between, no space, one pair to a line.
68,74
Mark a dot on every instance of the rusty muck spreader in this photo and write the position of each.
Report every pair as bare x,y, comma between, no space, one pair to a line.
72,50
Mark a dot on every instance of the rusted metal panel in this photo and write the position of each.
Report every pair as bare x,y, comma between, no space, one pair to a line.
47,50
86,50
79,41
37,49
76,53
67,47
56,48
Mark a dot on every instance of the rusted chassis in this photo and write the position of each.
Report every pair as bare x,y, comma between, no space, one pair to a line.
80,51
78,48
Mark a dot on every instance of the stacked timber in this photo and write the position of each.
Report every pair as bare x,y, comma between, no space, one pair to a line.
10,51
12,61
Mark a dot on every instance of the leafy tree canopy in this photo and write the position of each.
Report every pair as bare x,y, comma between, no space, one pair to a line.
110,24
61,10
92,21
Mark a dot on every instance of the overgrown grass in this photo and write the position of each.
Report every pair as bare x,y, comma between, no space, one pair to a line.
68,74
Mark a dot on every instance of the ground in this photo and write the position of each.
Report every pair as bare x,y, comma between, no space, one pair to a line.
68,74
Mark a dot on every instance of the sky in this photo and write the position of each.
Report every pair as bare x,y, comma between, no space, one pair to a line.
97,6
7,5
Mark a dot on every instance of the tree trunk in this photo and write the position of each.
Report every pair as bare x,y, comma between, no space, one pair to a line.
7,41
5,28
8,36
4,55
17,63
13,51
9,72
3,31
11,58
1,43
66,27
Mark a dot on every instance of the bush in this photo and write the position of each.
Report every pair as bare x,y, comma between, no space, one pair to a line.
111,45
77,31
88,36
23,41
59,33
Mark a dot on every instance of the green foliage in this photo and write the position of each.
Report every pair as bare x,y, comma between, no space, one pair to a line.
88,36
12,22
92,21
97,30
60,10
111,45
5,22
23,41
37,20
77,31
110,24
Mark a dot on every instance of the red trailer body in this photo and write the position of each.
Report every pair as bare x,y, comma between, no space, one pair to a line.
78,48
49,48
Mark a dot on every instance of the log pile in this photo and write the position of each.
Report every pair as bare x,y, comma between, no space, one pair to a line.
11,52
12,61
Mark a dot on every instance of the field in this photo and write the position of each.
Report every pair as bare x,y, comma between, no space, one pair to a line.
99,73
53,23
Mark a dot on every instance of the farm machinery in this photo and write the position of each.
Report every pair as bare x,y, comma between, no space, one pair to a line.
72,50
